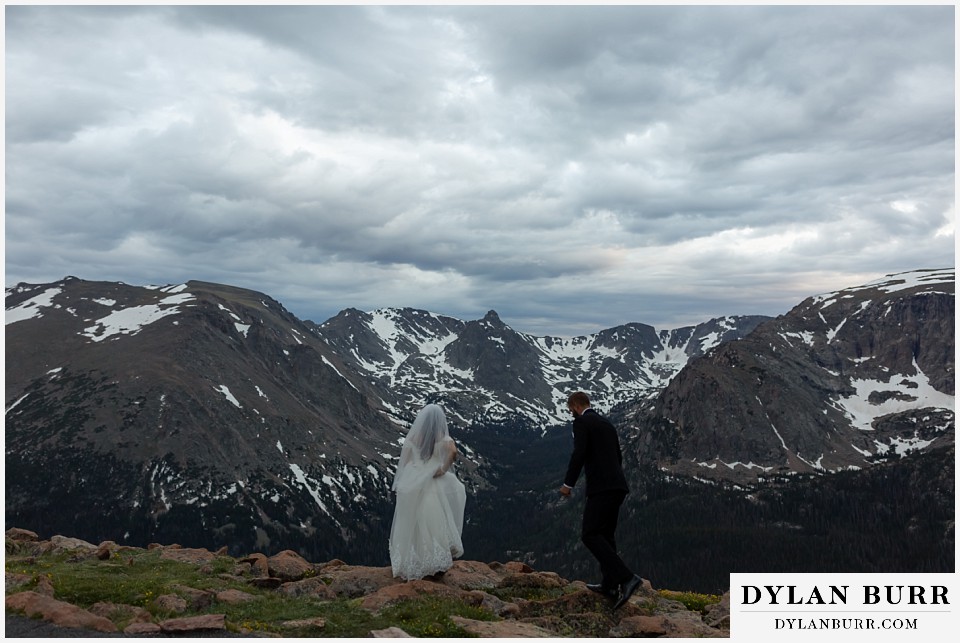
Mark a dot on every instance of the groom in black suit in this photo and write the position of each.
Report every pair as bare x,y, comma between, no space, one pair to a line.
596,451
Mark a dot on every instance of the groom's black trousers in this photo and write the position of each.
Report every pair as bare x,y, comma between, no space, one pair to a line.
600,516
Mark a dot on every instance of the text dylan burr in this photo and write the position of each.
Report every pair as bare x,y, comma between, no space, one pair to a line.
838,594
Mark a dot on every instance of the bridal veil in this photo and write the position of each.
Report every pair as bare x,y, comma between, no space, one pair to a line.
428,519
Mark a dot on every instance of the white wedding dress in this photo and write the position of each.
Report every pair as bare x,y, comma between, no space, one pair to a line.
428,518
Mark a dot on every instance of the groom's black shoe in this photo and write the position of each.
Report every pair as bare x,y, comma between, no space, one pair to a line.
609,592
627,590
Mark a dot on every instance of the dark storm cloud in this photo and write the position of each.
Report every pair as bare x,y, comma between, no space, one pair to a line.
671,163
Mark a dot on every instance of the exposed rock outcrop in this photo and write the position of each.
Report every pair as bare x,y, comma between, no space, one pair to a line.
519,601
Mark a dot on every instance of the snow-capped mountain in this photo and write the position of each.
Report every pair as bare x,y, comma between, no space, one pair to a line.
485,372
844,380
209,415
197,412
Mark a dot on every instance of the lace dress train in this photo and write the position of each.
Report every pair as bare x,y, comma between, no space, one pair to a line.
427,521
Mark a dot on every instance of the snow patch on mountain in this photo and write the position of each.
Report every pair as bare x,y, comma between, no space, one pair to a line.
130,321
876,398
31,308
227,394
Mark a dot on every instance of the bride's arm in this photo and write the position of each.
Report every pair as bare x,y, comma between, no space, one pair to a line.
448,459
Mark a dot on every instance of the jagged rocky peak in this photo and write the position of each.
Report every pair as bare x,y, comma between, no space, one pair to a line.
842,381
484,370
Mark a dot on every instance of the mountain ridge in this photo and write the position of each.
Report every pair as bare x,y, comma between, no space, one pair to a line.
210,415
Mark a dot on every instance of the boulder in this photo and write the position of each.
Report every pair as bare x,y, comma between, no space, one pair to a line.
313,587
336,562
469,574
683,624
584,602
392,594
121,612
105,549
501,629
22,535
170,603
57,612
390,633
195,623
532,579
198,599
495,605
258,564
142,629
316,623
288,566
354,581
235,597
516,567
58,544
718,614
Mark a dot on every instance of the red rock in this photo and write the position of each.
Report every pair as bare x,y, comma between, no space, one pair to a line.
288,565
314,587
22,535
542,580
501,629
59,544
469,574
495,605
402,591
195,623
317,623
353,581
197,598
57,612
119,611
170,603
44,586
106,549
259,564
390,633
235,597
682,624
516,567
142,629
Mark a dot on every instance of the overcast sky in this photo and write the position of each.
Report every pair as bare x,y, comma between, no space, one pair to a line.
572,168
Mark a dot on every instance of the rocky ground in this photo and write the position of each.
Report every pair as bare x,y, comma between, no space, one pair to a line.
556,607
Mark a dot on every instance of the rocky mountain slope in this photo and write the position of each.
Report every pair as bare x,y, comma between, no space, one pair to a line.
198,412
842,381
209,415
485,372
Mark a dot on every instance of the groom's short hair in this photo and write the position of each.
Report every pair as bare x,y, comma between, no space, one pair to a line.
578,399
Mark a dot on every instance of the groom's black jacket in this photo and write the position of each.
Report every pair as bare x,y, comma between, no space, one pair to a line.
596,451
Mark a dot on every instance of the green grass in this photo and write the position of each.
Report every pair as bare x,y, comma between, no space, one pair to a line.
138,577
691,600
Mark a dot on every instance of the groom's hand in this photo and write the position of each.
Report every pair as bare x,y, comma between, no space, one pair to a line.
565,491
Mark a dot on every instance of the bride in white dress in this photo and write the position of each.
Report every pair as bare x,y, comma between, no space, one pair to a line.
428,518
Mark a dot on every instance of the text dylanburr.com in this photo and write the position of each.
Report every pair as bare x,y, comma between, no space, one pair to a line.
844,607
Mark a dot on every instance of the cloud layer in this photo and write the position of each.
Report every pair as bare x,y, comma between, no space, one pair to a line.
573,168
